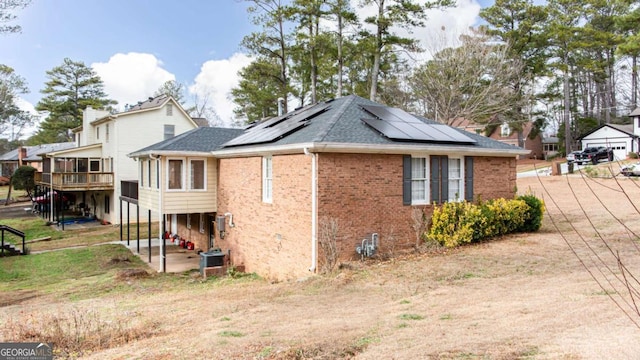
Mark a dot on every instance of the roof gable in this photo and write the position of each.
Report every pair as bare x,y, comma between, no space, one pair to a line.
625,129
201,140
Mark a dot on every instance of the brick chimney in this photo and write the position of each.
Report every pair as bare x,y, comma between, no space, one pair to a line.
22,153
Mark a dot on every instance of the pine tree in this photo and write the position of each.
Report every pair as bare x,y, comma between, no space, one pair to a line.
72,87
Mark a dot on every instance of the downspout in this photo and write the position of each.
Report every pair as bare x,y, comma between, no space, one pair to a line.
314,209
163,256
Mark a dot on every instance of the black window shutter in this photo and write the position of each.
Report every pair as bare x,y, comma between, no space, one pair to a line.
406,180
444,178
435,179
468,178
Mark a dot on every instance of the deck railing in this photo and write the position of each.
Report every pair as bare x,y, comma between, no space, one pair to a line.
86,180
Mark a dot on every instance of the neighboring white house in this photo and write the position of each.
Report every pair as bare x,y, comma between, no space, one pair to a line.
97,171
623,139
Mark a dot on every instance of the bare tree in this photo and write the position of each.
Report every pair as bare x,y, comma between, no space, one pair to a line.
472,81
328,243
6,16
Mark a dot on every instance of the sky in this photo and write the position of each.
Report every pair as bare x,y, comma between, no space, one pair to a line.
137,45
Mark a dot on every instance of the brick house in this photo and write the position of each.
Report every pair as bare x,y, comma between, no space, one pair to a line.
352,162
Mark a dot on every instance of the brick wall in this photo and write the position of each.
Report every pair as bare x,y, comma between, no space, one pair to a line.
363,192
192,233
271,239
494,178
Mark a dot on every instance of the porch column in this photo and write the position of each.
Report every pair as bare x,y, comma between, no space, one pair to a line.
150,236
138,225
121,219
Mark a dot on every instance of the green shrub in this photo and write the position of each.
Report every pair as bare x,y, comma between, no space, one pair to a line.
533,217
456,223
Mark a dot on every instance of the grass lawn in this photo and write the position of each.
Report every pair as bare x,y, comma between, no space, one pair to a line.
4,191
36,228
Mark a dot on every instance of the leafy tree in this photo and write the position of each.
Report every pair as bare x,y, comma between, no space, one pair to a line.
272,43
520,23
630,47
256,95
23,179
173,89
72,87
6,16
394,14
12,118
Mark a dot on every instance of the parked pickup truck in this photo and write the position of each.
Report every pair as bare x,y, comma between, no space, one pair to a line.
594,154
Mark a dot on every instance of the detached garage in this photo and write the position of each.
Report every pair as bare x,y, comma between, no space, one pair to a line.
620,138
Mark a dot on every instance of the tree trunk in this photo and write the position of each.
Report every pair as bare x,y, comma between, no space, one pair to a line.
340,60
9,192
634,82
566,118
373,94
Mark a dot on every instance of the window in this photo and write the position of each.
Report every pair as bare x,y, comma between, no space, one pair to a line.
169,131
419,178
188,221
201,223
107,204
169,109
148,173
175,174
455,179
94,165
267,179
158,174
98,132
106,132
505,130
436,179
197,174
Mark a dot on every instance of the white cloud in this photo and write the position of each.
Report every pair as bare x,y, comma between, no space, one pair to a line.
24,105
129,78
455,21
215,81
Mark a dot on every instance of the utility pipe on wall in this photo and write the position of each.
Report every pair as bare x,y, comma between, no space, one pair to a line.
314,210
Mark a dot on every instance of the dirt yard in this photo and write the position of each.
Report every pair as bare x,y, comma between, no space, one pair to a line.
556,294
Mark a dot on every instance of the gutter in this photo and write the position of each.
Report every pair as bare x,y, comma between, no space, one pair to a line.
314,209
367,149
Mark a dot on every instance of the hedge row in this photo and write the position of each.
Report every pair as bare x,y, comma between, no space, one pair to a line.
457,223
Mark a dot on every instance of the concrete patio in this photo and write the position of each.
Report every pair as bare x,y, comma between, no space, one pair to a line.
177,258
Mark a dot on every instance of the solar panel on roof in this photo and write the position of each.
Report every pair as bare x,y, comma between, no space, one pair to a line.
275,128
399,125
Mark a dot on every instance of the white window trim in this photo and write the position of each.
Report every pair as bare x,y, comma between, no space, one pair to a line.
427,182
183,177
267,182
461,189
205,174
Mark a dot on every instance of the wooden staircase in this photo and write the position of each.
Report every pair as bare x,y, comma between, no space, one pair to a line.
8,249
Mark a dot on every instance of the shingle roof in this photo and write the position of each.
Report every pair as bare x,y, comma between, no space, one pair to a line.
33,152
342,123
627,129
152,102
202,139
